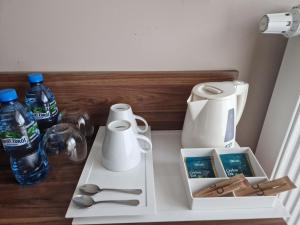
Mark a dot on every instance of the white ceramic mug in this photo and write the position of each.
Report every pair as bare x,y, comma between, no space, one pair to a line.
121,149
122,111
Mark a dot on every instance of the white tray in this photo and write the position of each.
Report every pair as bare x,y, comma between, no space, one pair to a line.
139,177
172,204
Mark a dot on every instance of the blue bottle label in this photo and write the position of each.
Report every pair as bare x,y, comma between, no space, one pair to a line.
44,111
15,138
53,108
32,131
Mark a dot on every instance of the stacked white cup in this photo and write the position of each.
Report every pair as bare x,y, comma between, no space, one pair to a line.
121,149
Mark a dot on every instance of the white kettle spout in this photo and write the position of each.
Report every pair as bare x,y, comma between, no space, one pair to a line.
196,107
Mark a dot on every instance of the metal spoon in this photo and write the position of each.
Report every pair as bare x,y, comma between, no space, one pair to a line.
91,189
84,201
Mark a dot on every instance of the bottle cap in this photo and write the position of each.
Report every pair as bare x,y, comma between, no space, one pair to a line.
7,95
35,78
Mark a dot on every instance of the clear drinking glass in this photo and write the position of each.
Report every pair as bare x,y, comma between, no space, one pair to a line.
80,119
65,139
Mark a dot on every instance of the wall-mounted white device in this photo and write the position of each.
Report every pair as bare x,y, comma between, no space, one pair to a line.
286,23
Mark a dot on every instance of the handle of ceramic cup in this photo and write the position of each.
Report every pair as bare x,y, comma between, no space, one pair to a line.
144,121
142,137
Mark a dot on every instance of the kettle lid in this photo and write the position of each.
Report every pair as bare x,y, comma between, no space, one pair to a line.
214,90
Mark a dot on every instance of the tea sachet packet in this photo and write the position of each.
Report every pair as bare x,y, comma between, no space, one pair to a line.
239,186
267,188
236,163
224,187
200,167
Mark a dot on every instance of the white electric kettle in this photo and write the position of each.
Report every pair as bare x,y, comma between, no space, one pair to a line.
214,109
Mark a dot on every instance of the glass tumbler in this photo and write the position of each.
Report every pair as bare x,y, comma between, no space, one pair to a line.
66,140
80,119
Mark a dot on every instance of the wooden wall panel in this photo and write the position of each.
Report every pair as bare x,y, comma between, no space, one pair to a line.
160,97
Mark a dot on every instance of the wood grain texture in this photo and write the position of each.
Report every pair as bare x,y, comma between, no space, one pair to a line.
160,97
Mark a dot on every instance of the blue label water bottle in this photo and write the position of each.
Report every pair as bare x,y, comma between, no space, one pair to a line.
20,138
41,101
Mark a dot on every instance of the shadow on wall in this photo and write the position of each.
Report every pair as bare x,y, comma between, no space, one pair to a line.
260,86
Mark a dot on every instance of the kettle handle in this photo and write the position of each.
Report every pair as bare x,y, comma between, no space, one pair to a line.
241,92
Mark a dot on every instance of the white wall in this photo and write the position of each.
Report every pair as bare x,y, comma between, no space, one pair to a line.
277,136
59,35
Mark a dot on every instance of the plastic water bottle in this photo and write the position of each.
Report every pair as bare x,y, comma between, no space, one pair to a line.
20,138
41,101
